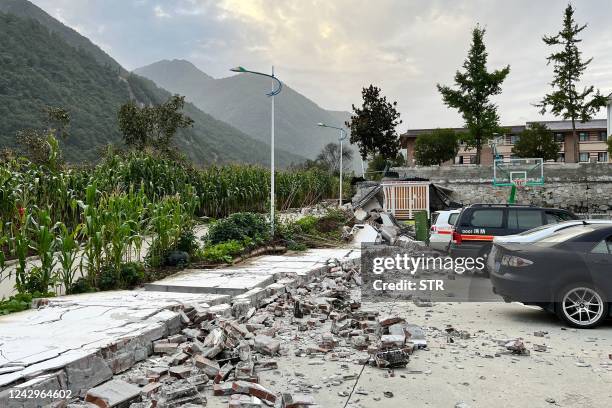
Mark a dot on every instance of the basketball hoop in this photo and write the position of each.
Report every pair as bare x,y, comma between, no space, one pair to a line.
519,182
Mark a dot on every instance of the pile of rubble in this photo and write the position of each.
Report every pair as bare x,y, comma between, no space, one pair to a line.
373,224
221,353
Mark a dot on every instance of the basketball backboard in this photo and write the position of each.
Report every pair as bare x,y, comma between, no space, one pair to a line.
518,172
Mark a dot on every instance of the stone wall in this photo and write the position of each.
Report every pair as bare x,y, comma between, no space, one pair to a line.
578,187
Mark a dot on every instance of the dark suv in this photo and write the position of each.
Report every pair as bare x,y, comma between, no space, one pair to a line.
478,224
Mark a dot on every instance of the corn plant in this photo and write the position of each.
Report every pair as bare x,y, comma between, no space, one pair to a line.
20,246
93,231
44,244
67,246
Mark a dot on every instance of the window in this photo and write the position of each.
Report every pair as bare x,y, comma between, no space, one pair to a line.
559,138
524,219
603,137
561,158
434,218
514,139
584,136
453,218
602,157
554,217
603,247
584,157
487,218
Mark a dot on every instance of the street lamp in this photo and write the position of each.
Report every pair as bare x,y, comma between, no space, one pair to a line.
275,91
341,139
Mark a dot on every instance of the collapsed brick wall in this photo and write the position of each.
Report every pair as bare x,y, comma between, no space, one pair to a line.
578,187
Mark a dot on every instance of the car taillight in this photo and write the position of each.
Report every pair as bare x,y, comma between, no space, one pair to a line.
434,228
515,261
456,237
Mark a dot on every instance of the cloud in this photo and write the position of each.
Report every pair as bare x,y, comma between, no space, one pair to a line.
159,12
329,50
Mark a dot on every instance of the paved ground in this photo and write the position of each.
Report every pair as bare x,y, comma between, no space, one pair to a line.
575,371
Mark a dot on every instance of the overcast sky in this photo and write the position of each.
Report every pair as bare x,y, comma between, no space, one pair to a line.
329,49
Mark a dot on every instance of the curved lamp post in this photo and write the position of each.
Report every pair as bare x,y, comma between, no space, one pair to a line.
341,139
275,91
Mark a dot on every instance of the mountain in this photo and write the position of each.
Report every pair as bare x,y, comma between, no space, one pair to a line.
25,9
240,100
44,63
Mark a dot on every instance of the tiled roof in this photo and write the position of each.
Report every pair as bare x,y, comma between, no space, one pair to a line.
554,125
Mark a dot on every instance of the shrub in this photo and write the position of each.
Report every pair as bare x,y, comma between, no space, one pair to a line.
81,285
132,274
107,280
187,242
223,252
15,303
308,223
242,227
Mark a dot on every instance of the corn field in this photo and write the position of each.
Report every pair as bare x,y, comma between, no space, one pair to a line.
105,212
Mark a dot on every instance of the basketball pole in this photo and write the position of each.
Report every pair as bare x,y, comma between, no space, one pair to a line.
512,197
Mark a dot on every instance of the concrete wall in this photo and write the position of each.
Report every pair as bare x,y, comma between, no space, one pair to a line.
579,187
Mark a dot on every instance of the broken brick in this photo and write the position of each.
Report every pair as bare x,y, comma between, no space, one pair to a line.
266,345
208,367
180,371
150,389
113,393
244,401
164,347
257,390
297,400
223,373
222,389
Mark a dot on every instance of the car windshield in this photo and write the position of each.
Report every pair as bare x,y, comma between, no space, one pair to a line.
565,234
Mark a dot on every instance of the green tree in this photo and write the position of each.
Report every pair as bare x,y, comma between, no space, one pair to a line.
153,126
610,146
379,164
41,146
329,158
568,67
373,125
537,141
58,121
471,97
436,147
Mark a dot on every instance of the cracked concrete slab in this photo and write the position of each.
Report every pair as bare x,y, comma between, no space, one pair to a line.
73,328
255,273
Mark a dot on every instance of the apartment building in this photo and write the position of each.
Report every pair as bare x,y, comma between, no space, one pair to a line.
592,142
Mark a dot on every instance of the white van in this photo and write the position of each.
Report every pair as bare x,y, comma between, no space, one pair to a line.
442,228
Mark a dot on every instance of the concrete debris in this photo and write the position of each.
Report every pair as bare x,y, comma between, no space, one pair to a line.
244,401
112,394
517,347
213,351
297,400
266,345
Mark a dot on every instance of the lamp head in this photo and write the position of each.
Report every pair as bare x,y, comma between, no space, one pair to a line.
321,124
238,69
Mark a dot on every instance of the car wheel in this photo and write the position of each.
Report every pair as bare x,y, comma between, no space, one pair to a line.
484,253
582,305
